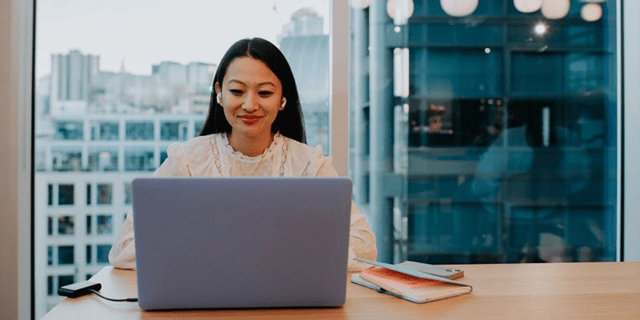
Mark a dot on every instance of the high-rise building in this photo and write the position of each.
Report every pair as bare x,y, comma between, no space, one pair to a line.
71,79
307,51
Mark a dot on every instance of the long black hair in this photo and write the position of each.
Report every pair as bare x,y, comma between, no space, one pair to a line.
288,121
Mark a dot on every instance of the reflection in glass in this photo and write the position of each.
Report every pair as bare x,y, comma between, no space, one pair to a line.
505,148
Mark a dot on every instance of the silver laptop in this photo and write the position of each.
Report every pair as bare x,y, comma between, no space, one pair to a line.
241,242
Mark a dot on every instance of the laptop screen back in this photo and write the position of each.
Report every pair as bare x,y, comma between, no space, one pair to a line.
241,242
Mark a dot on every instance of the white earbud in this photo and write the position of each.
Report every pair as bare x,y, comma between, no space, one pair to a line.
284,101
218,98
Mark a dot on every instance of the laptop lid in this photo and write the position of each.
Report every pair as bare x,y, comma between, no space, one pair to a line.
241,242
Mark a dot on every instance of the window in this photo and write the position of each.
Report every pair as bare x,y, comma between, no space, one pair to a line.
50,194
173,130
103,253
105,131
128,196
139,130
65,225
136,159
49,255
89,253
88,194
101,124
66,159
65,255
105,224
499,142
103,159
89,225
65,194
49,225
105,193
65,280
49,285
68,130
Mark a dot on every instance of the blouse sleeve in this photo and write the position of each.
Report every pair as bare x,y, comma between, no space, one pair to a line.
122,254
362,241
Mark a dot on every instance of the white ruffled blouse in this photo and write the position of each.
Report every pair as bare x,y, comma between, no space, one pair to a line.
212,156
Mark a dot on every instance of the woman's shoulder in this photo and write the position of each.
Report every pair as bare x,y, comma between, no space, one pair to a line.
304,150
196,143
196,151
306,160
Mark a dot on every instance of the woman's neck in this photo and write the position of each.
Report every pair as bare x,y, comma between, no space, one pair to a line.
250,147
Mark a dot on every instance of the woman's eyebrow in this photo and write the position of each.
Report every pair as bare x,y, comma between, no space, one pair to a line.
259,84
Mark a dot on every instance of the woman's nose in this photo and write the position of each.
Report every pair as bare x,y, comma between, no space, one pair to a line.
250,103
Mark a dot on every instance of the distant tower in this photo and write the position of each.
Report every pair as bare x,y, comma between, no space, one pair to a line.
71,77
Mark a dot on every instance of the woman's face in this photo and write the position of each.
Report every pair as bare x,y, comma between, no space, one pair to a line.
251,96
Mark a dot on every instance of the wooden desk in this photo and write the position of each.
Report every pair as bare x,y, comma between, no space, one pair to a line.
607,290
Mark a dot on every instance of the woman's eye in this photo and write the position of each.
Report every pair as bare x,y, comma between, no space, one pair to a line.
236,91
265,93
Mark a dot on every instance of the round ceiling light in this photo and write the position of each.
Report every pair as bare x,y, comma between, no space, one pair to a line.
591,12
527,6
555,9
459,8
400,10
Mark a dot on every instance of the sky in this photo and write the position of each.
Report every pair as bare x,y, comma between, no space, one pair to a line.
146,32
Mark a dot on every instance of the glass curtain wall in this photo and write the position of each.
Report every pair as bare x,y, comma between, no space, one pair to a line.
485,131
116,83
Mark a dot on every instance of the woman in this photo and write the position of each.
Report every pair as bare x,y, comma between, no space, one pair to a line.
254,128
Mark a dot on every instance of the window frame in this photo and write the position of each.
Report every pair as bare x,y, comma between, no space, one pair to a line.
16,83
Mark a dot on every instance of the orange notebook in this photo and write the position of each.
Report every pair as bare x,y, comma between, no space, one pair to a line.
412,288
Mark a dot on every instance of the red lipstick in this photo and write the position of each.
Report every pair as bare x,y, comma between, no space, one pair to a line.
250,119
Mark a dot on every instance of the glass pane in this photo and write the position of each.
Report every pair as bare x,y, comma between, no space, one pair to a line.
89,254
105,225
65,280
136,159
105,193
89,225
103,159
65,255
105,131
493,140
108,105
65,225
65,194
103,253
142,130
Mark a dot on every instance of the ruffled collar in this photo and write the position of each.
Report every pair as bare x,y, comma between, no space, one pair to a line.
278,140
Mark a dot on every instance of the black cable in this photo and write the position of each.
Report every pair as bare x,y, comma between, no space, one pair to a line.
115,300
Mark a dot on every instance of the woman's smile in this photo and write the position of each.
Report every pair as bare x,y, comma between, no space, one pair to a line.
250,119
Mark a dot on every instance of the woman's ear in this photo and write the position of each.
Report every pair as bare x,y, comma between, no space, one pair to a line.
218,93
